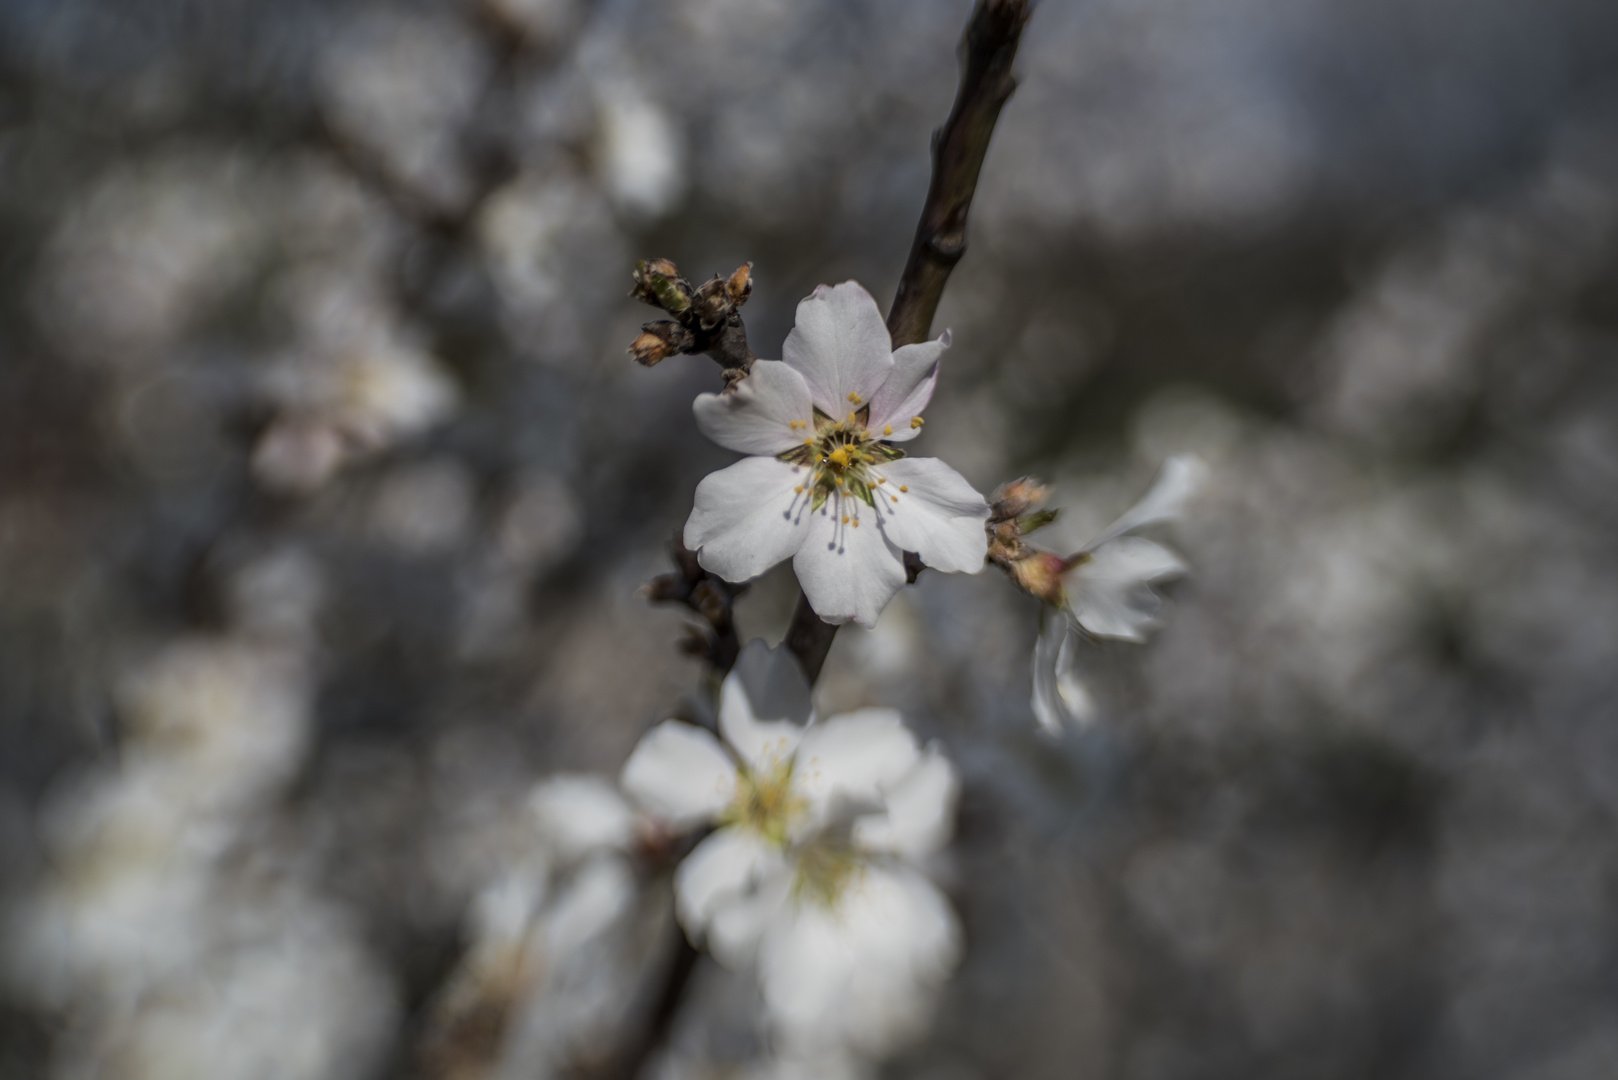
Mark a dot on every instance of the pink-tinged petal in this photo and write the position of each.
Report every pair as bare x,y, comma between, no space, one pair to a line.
722,870
680,772
840,345
854,757
756,415
847,571
1110,593
920,814
908,389
930,509
1178,480
746,518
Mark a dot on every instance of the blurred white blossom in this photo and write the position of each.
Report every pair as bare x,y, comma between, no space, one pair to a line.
812,871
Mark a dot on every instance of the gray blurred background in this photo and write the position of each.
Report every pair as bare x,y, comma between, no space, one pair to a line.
326,487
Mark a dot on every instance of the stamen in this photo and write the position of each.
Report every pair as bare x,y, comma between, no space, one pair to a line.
916,422
887,429
895,497
845,519
855,398
796,424
882,479
856,522
798,489
852,420
903,487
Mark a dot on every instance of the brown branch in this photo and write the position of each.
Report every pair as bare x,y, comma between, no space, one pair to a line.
708,596
987,49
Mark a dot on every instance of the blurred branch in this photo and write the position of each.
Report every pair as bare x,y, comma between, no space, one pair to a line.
987,49
710,597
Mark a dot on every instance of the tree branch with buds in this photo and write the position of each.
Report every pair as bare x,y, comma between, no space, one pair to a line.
706,319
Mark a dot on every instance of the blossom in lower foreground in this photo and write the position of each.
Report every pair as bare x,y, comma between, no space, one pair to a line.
812,868
1102,591
827,487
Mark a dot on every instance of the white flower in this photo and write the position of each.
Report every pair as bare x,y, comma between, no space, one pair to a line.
827,487
1105,590
811,869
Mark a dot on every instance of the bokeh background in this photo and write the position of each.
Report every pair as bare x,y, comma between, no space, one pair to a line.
326,488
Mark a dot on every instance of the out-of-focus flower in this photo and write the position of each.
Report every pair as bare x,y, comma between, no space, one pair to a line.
822,424
812,867
544,974
1104,590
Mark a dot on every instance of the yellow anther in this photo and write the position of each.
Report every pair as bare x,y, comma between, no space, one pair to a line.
895,498
882,479
845,519
902,487
855,398
852,420
856,522
887,429
798,489
916,422
796,424
840,458
808,442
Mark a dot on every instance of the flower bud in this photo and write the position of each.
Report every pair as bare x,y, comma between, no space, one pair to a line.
740,285
658,283
1040,574
1016,498
658,341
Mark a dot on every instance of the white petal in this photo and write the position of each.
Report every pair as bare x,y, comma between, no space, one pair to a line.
908,389
680,772
769,683
579,814
856,973
747,518
840,345
940,517
755,416
856,756
1176,482
1059,694
724,869
597,897
920,812
737,927
847,571
1110,593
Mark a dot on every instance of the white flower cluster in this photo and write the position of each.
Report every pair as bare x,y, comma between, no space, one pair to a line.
814,869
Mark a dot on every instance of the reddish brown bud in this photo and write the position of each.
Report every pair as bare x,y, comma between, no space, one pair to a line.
740,285
1040,574
1016,498
658,341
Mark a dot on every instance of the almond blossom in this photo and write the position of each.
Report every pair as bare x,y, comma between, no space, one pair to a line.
827,486
811,870
1102,591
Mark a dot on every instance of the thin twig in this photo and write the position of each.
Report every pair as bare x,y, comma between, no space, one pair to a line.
987,50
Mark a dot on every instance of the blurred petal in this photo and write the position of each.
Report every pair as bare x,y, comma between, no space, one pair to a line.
1110,593
920,810
737,926
756,415
1176,482
762,743
722,870
908,389
846,571
1060,695
840,345
680,772
940,517
747,518
579,814
856,756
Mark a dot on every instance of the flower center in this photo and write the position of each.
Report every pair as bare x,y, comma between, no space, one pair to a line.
766,802
839,457
825,867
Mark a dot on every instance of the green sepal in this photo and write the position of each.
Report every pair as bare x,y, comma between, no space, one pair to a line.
887,451
669,295
819,498
1037,520
862,491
